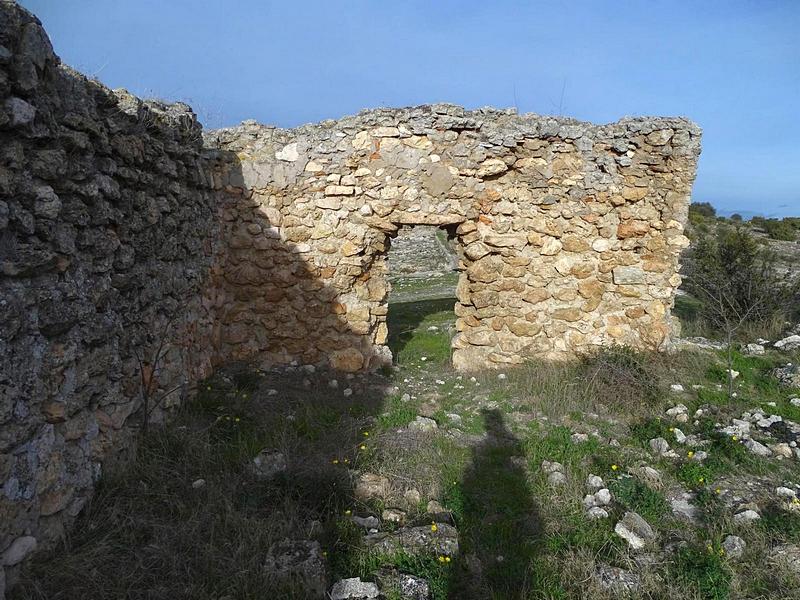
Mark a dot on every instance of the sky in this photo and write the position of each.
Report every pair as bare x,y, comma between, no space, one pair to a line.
733,67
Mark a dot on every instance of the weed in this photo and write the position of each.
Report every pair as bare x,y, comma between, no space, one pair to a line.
704,569
636,496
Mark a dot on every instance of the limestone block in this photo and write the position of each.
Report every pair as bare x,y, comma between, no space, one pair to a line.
628,275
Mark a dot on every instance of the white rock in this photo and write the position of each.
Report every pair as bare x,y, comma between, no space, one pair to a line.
589,501
595,512
267,464
734,546
353,589
680,437
18,550
20,112
683,508
198,483
659,445
676,387
556,478
288,153
594,482
757,448
678,409
746,516
603,497
551,467
788,343
785,492
753,350
634,530
578,438
333,384
794,401
423,424
347,392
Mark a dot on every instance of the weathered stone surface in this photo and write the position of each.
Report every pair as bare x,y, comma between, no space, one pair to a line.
107,218
541,222
298,564
354,589
443,541
634,530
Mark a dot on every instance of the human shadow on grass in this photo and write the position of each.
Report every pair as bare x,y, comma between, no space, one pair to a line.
500,528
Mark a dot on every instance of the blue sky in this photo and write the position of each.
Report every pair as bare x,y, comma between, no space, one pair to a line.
733,67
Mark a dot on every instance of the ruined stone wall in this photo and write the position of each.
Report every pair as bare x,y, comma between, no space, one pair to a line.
121,232
569,232
105,237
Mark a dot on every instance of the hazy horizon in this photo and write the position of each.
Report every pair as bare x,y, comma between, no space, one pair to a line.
732,67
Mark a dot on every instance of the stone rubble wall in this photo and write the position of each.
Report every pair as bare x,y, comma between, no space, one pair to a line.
418,252
122,228
106,229
569,233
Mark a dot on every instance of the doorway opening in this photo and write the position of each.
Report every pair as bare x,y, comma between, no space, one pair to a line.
423,271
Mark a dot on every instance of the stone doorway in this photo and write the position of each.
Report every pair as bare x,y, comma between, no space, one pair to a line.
422,271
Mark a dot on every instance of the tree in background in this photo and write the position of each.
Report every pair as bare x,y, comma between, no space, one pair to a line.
699,212
780,230
737,284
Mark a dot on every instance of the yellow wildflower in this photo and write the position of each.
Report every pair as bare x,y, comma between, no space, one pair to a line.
434,527
447,559
363,447
614,467
366,434
734,438
348,512
335,461
690,454
441,559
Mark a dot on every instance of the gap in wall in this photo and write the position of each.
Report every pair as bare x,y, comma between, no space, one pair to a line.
423,274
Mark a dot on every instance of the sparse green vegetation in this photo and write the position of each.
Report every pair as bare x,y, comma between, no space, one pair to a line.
521,535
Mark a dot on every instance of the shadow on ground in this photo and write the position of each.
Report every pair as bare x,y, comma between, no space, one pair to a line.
193,517
500,526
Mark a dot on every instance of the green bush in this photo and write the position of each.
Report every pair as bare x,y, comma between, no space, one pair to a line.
702,210
780,230
737,283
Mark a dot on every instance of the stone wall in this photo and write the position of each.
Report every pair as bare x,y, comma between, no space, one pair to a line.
122,231
569,233
106,224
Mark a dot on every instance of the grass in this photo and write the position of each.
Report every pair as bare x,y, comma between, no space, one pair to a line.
636,496
149,533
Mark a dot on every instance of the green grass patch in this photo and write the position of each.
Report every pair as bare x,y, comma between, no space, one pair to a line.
636,496
781,524
397,413
705,570
409,337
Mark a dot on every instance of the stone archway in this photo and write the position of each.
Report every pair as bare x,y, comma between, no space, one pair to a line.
570,232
